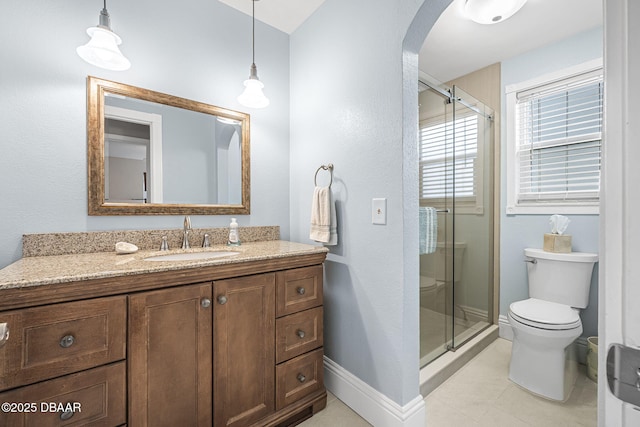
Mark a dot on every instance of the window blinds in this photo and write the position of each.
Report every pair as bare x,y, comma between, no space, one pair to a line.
446,146
559,139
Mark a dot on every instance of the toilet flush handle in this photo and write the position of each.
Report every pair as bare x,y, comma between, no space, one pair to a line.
532,261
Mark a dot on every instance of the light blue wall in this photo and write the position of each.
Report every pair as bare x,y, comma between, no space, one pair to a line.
196,49
526,231
351,107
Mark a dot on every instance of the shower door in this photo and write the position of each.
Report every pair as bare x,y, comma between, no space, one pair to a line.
456,185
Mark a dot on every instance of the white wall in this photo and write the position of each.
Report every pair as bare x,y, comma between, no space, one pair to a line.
526,231
351,107
196,49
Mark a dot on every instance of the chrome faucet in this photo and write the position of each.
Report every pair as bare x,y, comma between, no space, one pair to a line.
164,246
187,229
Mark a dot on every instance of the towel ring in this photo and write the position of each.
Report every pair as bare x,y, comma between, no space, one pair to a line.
329,168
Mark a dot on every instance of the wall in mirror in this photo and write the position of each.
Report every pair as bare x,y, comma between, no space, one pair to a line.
152,153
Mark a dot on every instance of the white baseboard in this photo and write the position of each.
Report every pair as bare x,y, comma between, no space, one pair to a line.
474,314
506,332
369,403
505,328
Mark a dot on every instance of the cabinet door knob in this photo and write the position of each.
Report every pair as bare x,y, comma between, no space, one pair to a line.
4,333
66,415
301,378
205,302
300,333
300,290
222,300
67,341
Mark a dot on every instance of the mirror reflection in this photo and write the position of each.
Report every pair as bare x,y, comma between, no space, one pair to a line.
151,153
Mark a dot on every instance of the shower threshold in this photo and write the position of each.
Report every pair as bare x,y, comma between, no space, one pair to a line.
439,370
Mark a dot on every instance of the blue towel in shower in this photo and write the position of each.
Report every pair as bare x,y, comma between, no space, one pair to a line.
428,224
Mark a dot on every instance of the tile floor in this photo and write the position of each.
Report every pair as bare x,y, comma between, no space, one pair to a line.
480,394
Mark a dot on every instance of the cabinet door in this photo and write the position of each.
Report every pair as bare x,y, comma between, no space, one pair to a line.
244,353
170,367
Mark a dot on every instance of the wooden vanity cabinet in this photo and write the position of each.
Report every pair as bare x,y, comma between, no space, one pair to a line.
195,347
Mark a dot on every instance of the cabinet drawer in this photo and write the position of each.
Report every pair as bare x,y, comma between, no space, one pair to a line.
299,377
96,397
298,289
298,333
47,342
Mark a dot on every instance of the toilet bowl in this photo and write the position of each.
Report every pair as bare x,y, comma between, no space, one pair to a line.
438,274
432,293
543,352
546,325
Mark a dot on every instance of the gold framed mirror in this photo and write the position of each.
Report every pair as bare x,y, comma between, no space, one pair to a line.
150,153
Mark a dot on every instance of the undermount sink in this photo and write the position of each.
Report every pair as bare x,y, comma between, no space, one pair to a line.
191,256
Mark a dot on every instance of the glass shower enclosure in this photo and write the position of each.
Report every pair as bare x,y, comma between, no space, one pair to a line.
456,218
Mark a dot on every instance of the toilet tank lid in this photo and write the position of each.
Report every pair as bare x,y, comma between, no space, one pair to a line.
571,256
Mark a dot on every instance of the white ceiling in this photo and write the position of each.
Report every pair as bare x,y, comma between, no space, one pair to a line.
456,46
285,15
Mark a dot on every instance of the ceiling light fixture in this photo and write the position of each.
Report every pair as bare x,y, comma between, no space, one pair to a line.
102,50
491,11
252,96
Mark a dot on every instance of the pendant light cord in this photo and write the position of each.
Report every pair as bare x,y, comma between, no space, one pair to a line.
253,32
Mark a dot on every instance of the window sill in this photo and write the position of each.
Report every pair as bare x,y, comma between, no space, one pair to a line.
550,209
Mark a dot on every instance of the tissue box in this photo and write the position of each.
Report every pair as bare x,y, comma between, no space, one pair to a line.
557,243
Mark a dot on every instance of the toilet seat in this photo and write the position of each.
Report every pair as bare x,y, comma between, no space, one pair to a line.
545,314
428,283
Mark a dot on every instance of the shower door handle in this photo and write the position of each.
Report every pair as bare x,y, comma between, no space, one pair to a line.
443,210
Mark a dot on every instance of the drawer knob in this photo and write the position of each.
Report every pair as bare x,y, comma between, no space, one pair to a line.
222,300
67,341
300,290
301,378
205,303
4,333
66,415
300,333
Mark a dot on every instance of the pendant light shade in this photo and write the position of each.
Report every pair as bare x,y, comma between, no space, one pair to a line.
253,97
102,50
491,11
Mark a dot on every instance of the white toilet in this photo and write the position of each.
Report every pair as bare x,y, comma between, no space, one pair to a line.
433,288
546,325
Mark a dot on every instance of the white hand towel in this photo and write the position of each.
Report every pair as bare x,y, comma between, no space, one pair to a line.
333,228
428,230
321,215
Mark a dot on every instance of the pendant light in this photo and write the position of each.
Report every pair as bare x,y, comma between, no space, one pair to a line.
491,11
102,50
252,96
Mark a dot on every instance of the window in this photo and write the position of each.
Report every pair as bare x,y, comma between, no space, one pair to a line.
554,139
445,146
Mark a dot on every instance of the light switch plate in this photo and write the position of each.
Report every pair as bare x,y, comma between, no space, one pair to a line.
379,211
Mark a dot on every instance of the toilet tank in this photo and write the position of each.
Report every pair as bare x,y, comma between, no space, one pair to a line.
564,278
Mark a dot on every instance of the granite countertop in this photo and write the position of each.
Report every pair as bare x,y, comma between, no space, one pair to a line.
48,270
